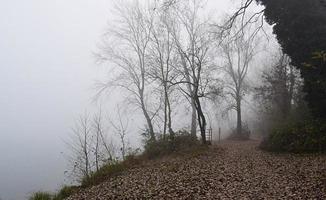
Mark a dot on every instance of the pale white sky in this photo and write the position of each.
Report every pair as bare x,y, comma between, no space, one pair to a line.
46,74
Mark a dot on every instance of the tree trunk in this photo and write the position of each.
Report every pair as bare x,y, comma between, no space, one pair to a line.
123,150
169,112
291,89
193,119
165,116
191,92
239,120
97,150
86,160
201,120
150,125
148,119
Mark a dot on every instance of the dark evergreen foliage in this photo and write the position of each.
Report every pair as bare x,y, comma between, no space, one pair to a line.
300,27
297,137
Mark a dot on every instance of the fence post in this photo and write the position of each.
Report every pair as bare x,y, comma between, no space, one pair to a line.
219,134
211,134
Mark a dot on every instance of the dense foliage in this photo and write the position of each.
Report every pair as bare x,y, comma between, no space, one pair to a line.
64,192
281,89
182,141
245,133
300,27
299,137
41,196
279,96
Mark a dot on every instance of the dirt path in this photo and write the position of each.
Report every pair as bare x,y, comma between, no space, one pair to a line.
232,170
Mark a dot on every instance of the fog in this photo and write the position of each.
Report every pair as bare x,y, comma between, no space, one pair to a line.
46,78
47,71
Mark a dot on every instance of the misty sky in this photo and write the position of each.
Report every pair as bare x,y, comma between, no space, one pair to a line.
46,74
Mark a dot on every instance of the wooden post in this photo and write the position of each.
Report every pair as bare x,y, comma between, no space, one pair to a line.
211,135
219,134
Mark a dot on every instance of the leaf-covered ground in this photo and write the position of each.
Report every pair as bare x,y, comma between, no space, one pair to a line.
232,170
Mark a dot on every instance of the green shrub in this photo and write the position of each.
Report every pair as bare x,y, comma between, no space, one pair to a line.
65,192
133,160
298,137
41,196
181,141
245,133
103,173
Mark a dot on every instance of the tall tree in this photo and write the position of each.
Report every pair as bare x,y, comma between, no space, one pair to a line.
280,89
162,56
178,25
238,52
300,27
193,43
127,48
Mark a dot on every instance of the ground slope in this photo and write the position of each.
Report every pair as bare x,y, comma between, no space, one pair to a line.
232,170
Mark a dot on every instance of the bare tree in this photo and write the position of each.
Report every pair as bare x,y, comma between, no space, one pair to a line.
103,150
127,47
243,17
238,53
80,146
98,130
104,145
89,147
185,71
281,88
162,58
121,128
279,96
192,39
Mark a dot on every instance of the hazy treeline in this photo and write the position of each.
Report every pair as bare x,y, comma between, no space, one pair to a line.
165,55
184,70
300,103
171,59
